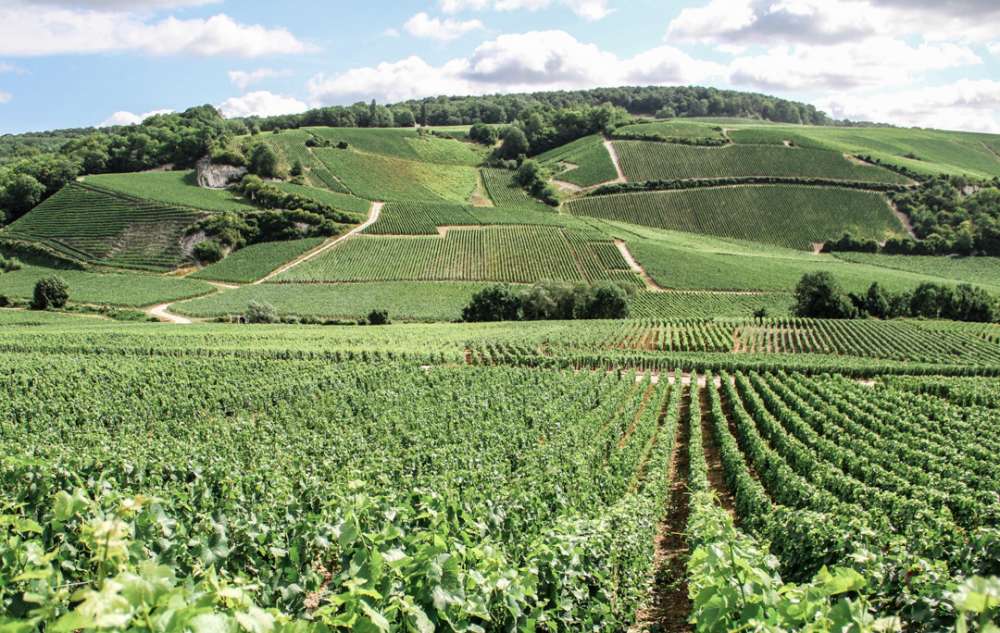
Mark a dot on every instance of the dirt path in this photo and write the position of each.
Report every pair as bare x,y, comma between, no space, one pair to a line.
992,151
637,268
162,313
904,220
716,473
669,606
616,160
568,187
373,215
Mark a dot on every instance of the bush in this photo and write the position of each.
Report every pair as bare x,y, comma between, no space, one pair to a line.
9,265
261,312
496,303
604,301
4,301
549,300
264,161
817,295
50,292
208,252
378,317
484,134
515,143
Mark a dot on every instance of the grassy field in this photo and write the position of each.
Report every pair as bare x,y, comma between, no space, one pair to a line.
405,301
341,201
423,218
378,177
172,187
519,254
984,271
642,160
291,147
405,143
793,216
673,129
257,260
584,162
116,289
506,193
923,151
98,226
680,305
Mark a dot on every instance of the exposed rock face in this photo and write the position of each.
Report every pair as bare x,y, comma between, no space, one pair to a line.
217,176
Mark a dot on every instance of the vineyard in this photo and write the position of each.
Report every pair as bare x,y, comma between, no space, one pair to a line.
682,305
92,224
387,178
672,129
506,194
585,162
178,188
424,218
761,214
257,260
519,254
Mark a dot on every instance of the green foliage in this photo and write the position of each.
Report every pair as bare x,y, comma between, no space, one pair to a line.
50,293
9,264
175,188
250,263
817,295
264,162
515,144
260,312
377,177
378,317
946,221
676,130
506,194
546,301
585,162
118,289
533,179
208,252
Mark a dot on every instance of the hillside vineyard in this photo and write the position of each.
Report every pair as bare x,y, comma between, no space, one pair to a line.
558,367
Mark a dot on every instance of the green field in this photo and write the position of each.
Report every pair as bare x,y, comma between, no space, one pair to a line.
983,271
584,162
405,301
405,143
673,129
923,151
172,187
115,289
793,216
424,218
642,161
341,201
99,226
683,305
517,254
506,193
378,177
257,260
291,147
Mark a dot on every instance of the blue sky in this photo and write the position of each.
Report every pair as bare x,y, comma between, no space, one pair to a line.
68,63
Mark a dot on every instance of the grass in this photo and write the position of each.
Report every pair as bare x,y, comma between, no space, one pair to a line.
673,128
118,289
291,146
172,187
342,201
377,177
405,143
506,194
983,271
255,261
98,226
793,216
642,160
680,305
588,160
423,218
405,301
517,254
923,151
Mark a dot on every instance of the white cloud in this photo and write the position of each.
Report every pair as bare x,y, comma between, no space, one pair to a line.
128,118
132,5
994,48
5,97
962,105
586,9
391,32
28,31
261,103
423,25
874,62
243,79
545,60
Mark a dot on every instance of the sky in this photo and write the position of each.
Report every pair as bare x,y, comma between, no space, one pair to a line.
75,63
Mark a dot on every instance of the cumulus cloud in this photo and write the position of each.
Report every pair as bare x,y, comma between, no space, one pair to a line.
51,31
132,5
127,118
962,105
423,25
242,79
587,9
540,60
5,97
261,103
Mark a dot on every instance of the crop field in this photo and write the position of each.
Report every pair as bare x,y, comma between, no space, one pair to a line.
923,151
405,143
424,218
341,201
517,254
116,289
172,188
290,145
673,129
791,216
643,161
685,305
257,260
584,162
983,271
405,301
506,194
99,226
386,178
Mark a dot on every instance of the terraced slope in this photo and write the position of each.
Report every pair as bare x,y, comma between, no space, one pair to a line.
642,160
96,225
171,187
792,216
517,254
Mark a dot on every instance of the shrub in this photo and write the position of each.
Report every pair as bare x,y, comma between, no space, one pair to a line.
9,265
4,301
818,295
496,303
604,301
50,292
515,143
378,317
484,134
208,252
264,161
261,312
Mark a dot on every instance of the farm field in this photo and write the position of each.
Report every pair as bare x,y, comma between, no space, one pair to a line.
115,289
405,301
171,187
290,145
681,305
387,178
341,201
643,160
758,213
983,271
98,226
506,194
255,261
584,162
686,129
405,143
424,218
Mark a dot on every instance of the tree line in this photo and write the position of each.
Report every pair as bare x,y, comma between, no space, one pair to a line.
549,300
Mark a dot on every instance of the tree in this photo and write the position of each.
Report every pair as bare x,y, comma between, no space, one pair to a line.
495,303
876,303
403,117
972,304
604,301
930,301
20,195
818,295
208,252
50,292
264,161
484,134
378,317
297,168
515,143
261,312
